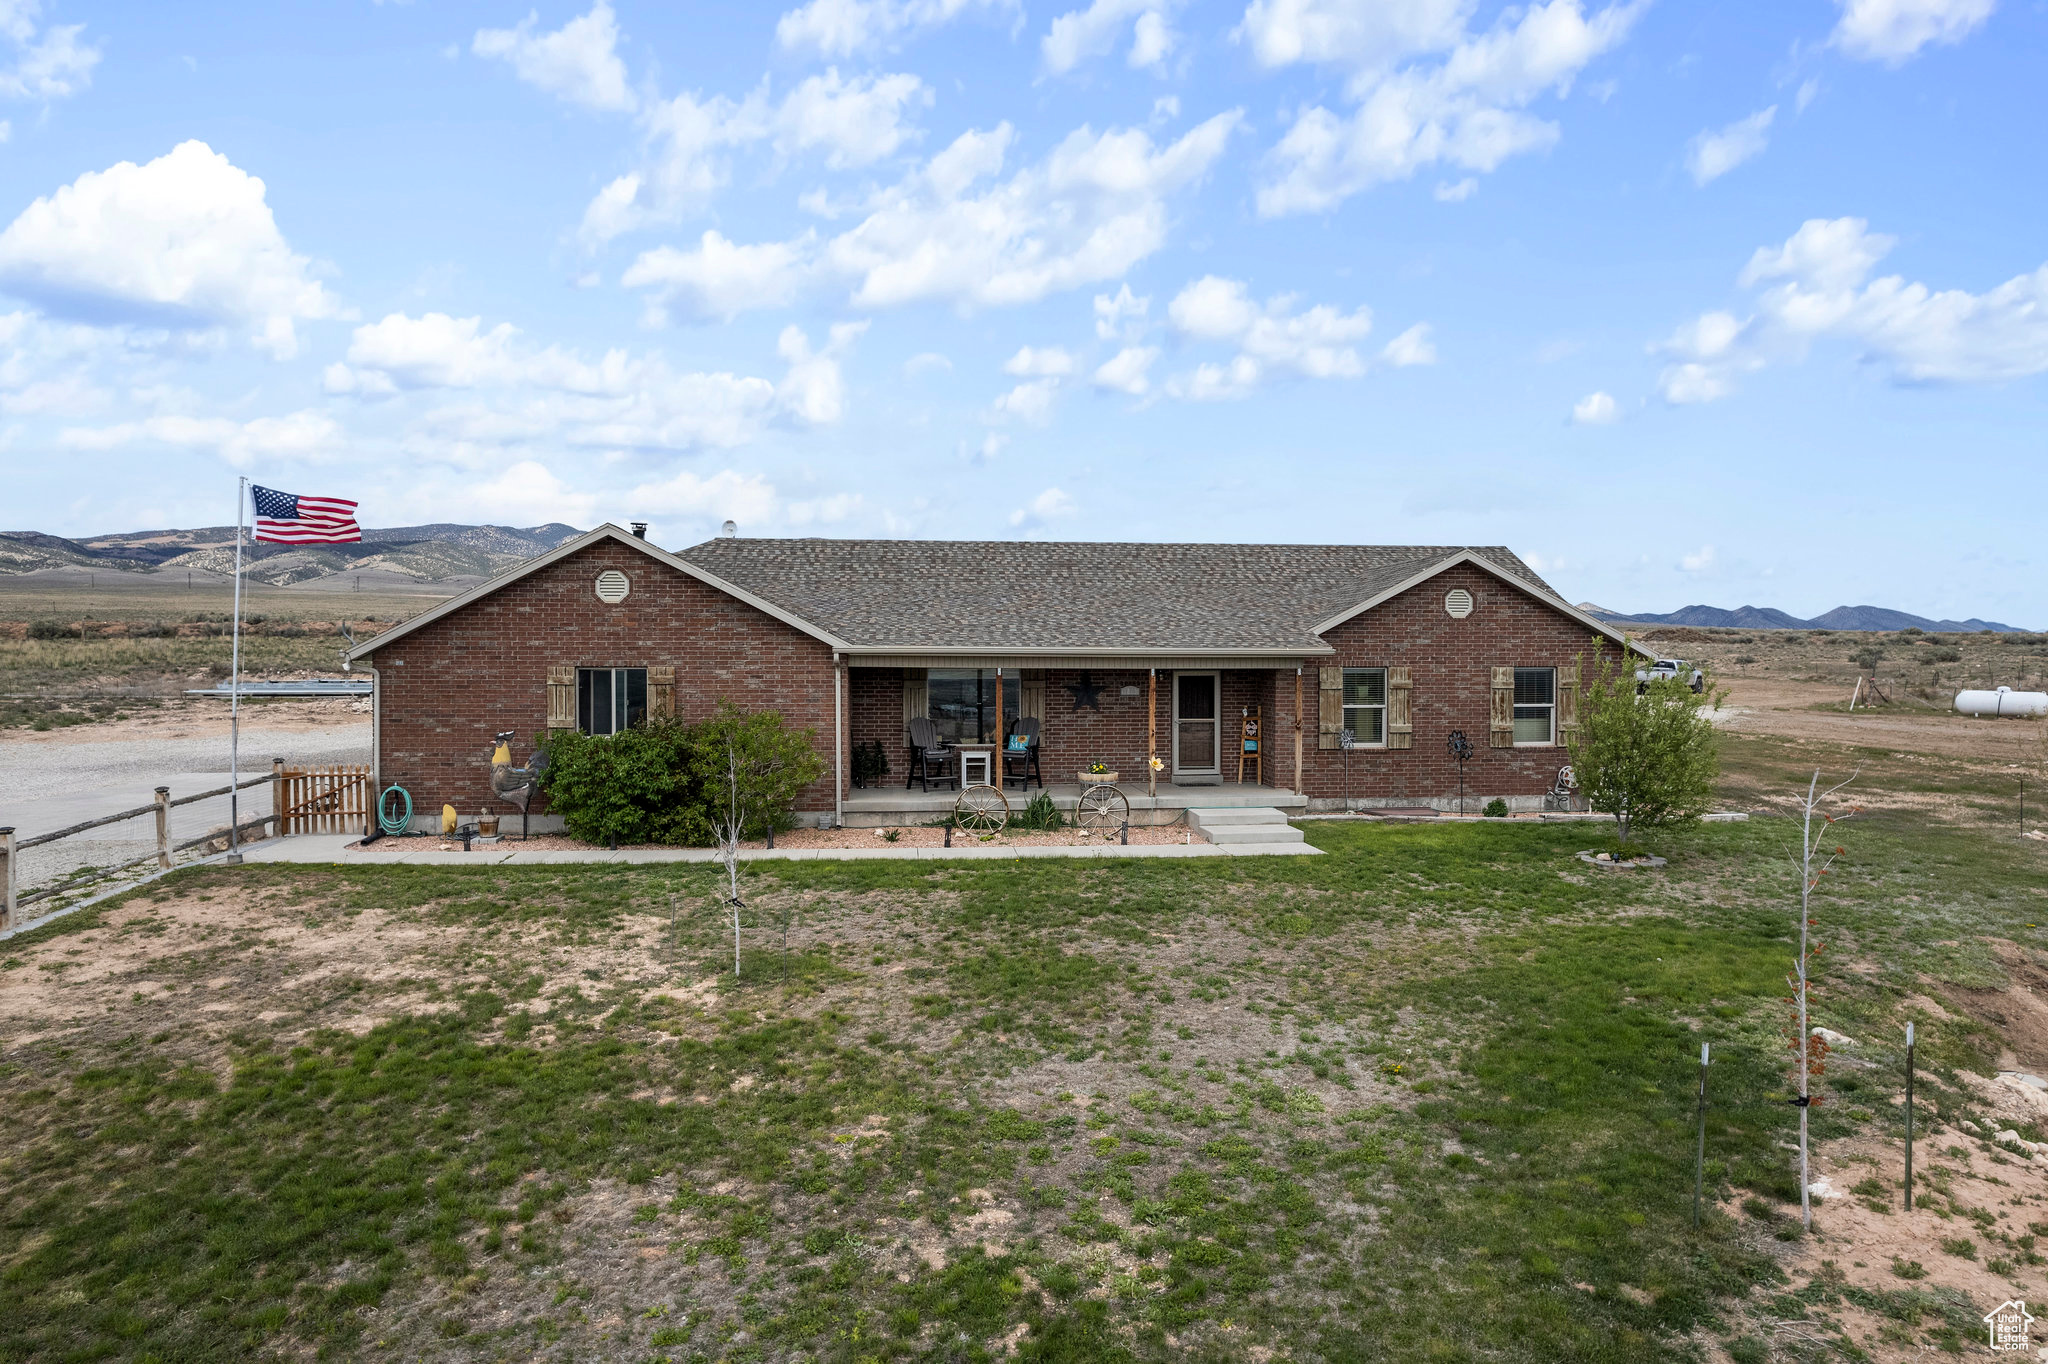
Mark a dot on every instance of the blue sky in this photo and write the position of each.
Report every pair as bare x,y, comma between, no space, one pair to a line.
1730,303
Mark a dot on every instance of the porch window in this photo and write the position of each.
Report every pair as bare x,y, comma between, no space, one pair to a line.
1365,705
962,702
610,699
1535,707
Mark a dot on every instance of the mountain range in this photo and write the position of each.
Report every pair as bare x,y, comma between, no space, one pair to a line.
1770,618
431,553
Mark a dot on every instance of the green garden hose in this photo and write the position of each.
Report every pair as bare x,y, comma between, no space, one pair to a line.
394,827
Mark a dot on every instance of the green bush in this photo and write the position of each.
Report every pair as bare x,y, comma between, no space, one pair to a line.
1646,755
50,629
1039,815
1496,808
668,781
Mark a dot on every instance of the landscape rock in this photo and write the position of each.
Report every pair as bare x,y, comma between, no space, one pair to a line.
1833,1038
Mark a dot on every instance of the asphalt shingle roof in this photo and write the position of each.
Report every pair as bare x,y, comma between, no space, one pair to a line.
1020,594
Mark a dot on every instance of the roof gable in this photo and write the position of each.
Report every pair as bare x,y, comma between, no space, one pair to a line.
1541,593
563,551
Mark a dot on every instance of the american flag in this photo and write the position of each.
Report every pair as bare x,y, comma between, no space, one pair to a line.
288,519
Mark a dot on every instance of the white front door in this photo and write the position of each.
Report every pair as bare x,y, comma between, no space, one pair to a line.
1197,715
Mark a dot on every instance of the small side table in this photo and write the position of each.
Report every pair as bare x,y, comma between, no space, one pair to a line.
977,764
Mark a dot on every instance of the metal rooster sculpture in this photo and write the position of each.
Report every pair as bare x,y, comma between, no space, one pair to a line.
516,785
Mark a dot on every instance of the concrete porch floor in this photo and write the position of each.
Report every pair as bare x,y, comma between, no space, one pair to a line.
877,807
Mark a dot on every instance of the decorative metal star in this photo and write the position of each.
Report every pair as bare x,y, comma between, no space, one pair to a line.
1085,693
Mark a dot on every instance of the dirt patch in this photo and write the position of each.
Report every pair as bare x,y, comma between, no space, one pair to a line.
2018,1012
1784,708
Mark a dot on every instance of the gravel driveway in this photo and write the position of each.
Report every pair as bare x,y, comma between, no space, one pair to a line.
66,776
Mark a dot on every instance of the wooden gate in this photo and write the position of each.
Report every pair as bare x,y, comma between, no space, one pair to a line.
323,800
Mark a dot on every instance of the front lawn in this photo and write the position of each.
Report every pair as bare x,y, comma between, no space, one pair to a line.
1428,1097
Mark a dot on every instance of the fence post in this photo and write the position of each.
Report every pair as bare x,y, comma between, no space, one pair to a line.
7,877
163,828
277,805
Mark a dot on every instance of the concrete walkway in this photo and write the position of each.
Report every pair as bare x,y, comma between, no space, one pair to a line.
425,852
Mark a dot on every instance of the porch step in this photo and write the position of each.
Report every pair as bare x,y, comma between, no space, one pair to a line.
1244,824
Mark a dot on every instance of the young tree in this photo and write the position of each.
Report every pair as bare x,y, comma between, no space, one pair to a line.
758,766
1812,1051
1648,760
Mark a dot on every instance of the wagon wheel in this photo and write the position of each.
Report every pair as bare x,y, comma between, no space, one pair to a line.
981,810
1102,811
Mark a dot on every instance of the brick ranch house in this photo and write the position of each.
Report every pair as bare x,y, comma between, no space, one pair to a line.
1121,651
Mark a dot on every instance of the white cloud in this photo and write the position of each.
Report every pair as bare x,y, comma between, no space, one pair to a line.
1094,208
1363,34
840,28
1030,401
526,493
1464,110
1049,505
49,64
1817,285
1699,561
305,435
1456,192
1596,409
1216,383
814,390
1317,343
1127,370
1079,35
926,362
991,446
726,495
1412,347
1121,317
578,62
518,395
1714,153
719,279
1044,362
1894,31
953,230
186,242
690,142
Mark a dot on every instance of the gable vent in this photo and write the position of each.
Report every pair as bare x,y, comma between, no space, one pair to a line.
612,587
1457,603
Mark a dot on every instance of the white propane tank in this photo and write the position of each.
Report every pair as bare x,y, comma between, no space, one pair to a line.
2004,701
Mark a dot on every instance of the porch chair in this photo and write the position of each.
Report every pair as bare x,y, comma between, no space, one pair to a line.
930,760
1026,760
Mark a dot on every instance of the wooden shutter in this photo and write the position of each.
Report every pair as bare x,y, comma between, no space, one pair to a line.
562,696
661,693
1400,708
1567,704
1502,732
916,697
1332,713
1031,695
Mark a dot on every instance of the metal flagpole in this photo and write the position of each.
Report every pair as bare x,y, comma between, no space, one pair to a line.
235,691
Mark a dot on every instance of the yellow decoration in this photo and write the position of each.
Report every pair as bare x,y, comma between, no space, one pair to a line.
448,819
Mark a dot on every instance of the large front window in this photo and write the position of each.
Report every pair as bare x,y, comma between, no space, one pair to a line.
1365,705
610,699
1535,706
962,703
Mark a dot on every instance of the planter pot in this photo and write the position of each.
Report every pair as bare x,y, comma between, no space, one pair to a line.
487,825
1099,778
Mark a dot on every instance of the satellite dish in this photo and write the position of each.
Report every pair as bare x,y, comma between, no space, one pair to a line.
728,530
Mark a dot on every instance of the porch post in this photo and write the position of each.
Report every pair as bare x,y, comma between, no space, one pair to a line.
1299,788
1152,732
999,729
838,749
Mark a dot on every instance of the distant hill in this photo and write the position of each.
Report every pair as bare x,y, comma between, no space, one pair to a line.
1770,618
429,553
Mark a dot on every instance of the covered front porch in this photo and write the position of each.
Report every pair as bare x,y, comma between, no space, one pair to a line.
1220,729
890,806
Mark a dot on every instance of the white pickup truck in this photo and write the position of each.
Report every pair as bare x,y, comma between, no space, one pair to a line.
1664,669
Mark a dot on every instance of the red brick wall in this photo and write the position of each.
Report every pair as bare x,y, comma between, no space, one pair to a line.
1452,662
449,686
